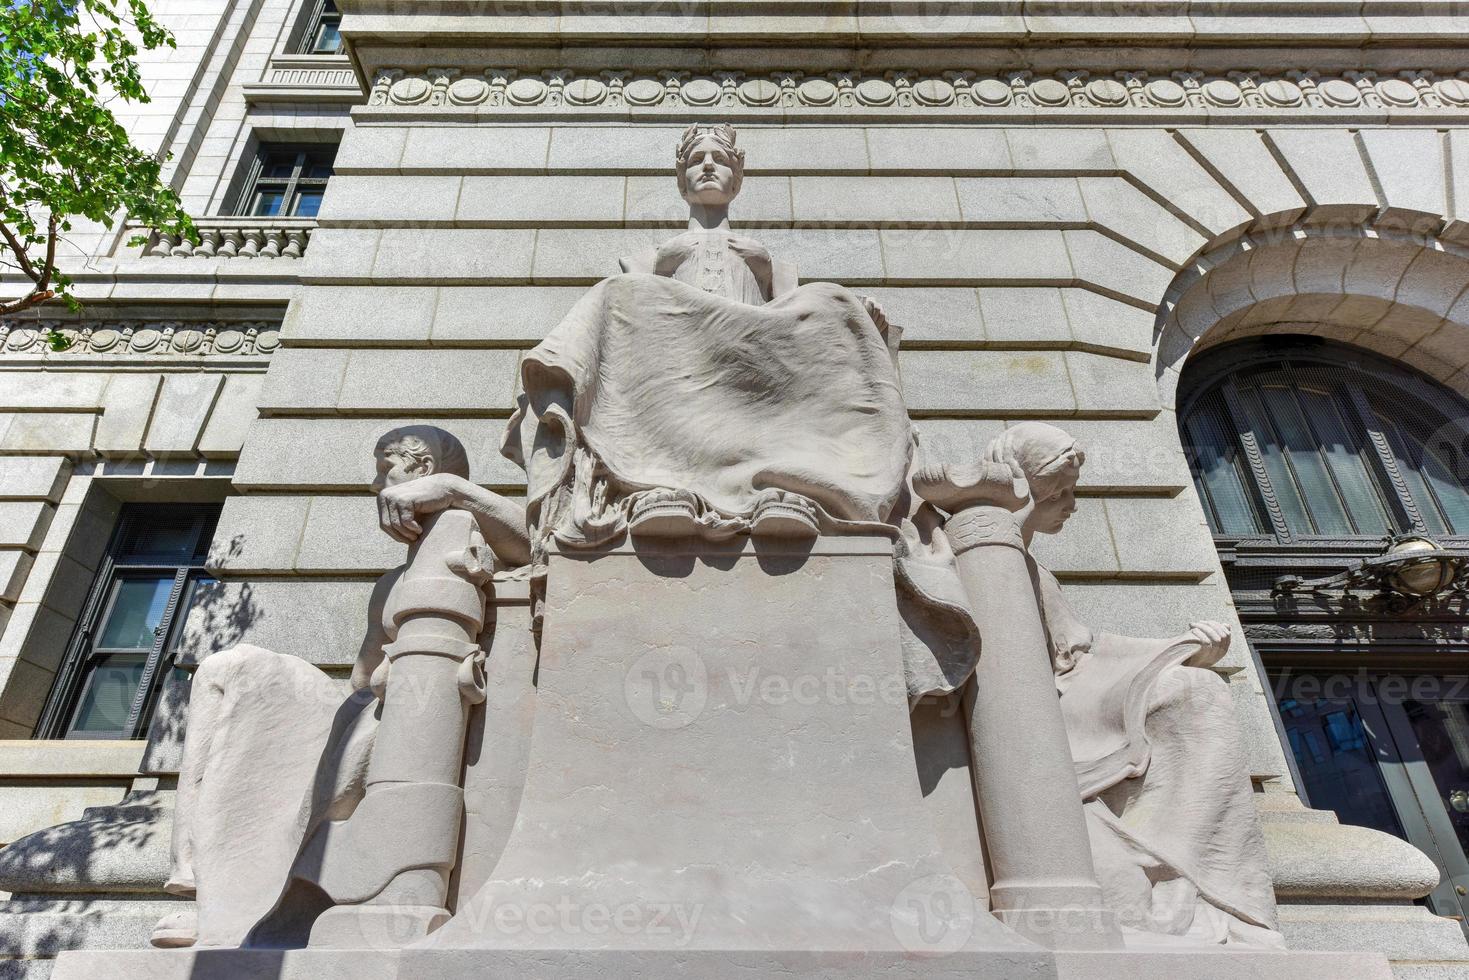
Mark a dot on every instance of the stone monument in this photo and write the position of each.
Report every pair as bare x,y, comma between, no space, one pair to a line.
786,700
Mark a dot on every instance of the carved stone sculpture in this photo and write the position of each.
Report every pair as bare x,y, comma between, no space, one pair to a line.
273,754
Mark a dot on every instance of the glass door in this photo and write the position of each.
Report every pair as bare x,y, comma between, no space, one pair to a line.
1391,752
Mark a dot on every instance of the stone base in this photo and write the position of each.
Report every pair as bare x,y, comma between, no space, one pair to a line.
481,964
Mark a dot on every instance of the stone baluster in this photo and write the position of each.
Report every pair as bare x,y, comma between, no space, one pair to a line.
208,244
274,240
296,240
181,247
160,243
231,241
253,239
1044,881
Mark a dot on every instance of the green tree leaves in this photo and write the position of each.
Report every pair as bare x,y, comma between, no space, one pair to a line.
63,155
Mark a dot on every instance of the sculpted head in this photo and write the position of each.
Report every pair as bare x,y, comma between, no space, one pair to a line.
710,167
1051,461
411,451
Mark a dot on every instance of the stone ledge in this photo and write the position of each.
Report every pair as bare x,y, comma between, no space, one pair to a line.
69,758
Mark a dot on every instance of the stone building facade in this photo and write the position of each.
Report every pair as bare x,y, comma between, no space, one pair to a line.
1143,222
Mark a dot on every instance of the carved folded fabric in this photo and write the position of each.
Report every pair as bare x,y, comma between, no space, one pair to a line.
669,386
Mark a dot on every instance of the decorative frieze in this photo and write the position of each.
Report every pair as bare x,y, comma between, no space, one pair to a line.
140,338
914,91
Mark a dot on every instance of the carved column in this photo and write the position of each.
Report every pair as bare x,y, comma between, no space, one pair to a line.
1044,882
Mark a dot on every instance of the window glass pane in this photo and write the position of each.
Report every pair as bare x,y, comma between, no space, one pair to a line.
328,39
1305,458
1282,481
267,203
278,166
1444,467
1343,454
1407,452
108,697
308,203
1215,460
137,609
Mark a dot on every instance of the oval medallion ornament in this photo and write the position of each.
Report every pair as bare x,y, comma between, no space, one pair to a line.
1165,92
933,91
187,340
267,341
468,91
1048,91
1106,91
1281,93
228,341
1223,93
990,91
701,91
525,91
22,338
1395,91
105,339
644,91
586,91
1454,91
1339,92
410,91
759,91
146,339
876,91
817,91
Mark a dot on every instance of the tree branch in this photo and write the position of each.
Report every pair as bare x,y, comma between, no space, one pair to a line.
21,258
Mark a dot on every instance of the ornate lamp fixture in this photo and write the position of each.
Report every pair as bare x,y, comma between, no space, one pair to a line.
1412,567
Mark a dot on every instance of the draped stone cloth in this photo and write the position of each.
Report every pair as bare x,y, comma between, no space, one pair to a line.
651,383
1170,814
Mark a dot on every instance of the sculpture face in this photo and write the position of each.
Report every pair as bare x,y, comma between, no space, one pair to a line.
1052,511
711,173
396,464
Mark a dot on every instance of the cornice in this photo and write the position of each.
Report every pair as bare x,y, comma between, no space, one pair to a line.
1239,95
133,339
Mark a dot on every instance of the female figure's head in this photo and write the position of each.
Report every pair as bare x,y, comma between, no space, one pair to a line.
710,167
1051,461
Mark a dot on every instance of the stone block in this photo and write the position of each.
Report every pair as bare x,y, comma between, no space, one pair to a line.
1409,167
983,256
1457,227
370,149
34,477
405,381
27,686
234,411
1327,164
586,255
56,391
258,534
360,315
475,149
39,633
931,314
340,536
1241,161
130,401
322,621
60,582
764,201
1114,204
541,200
1140,608
1111,267
337,454
795,150
1024,316
383,201
33,805
1084,549
614,149
15,565
23,523
413,255
951,149
1108,385
833,254
46,432
868,200
77,758
1156,159
303,377
495,315
998,384
1162,536
340,254
1020,201
1057,150
185,402
1104,322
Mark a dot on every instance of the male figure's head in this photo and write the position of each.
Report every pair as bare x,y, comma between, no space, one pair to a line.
710,167
411,451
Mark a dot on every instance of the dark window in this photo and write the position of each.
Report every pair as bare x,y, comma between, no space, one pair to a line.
115,664
323,31
1311,441
287,181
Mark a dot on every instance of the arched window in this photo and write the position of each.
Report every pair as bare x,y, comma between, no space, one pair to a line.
1295,439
